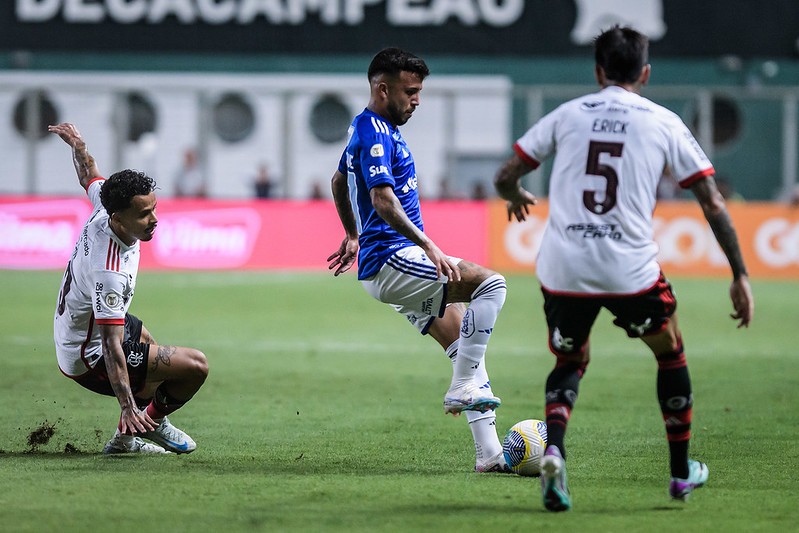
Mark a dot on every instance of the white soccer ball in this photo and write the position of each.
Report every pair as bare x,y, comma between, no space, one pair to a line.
524,445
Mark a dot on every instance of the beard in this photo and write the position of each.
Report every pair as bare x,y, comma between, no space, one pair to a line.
398,116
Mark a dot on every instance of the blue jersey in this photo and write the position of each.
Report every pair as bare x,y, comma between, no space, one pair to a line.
376,154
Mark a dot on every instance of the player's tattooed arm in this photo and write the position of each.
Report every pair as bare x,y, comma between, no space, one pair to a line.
342,259
341,198
131,420
718,218
508,187
720,222
85,165
390,209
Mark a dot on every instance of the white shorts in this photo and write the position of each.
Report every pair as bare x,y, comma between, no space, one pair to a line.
408,283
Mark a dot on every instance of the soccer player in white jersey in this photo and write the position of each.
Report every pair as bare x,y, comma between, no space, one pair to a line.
611,148
98,343
375,192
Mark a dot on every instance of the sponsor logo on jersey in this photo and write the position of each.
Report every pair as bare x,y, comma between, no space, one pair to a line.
595,231
135,359
596,105
85,239
98,297
377,150
411,185
374,170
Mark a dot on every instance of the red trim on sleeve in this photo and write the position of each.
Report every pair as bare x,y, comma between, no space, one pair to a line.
111,321
526,158
690,180
93,180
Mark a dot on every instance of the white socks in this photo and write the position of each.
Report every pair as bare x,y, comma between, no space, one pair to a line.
476,327
482,425
484,433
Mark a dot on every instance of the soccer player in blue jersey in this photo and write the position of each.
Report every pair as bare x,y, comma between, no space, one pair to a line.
375,191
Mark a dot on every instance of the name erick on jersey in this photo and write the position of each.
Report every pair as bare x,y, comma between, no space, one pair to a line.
376,154
97,288
612,148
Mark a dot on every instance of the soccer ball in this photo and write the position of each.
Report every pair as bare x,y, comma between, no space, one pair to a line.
524,445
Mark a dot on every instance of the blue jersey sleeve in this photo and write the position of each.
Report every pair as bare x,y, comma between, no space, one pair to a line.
375,159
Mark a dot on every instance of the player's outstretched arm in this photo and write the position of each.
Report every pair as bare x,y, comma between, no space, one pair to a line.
132,419
390,209
84,163
342,259
715,211
507,185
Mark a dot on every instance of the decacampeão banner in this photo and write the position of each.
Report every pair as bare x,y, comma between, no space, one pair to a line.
462,27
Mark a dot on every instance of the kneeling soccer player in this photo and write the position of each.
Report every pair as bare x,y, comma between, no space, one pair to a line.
98,343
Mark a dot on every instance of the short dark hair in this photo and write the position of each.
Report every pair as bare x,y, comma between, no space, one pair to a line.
392,61
622,53
118,190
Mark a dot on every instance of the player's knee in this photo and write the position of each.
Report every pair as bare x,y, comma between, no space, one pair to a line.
579,359
146,337
493,287
198,364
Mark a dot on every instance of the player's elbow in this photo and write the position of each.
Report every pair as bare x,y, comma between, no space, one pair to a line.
338,181
714,205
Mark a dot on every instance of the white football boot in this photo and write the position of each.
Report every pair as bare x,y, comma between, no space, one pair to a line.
171,438
469,397
120,444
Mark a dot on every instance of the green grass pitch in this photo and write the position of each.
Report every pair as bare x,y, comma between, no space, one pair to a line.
322,412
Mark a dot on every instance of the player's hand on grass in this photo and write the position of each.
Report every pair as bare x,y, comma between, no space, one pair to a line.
742,301
342,259
134,420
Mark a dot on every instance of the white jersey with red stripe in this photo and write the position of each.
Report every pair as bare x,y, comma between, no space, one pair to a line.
97,288
611,149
